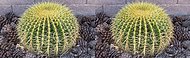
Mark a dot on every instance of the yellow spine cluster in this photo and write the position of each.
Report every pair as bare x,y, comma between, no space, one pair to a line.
142,28
48,28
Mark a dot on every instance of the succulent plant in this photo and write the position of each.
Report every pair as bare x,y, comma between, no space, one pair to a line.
48,28
142,28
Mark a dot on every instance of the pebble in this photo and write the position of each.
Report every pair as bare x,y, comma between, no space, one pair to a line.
67,55
187,56
186,44
92,44
180,56
162,55
76,51
1,38
125,55
29,55
85,55
186,52
186,24
172,50
91,52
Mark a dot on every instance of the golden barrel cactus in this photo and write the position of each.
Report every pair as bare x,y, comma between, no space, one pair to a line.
48,28
142,28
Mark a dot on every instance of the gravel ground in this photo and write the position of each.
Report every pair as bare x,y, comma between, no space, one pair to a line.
95,40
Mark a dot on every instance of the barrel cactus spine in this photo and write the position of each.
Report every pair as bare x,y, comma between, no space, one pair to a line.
142,28
48,28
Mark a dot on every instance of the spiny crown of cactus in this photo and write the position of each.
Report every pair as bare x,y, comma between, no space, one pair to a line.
48,28
142,28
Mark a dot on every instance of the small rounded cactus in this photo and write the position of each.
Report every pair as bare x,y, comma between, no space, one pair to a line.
142,28
48,28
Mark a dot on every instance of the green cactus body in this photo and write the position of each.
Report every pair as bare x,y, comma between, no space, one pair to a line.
48,28
142,28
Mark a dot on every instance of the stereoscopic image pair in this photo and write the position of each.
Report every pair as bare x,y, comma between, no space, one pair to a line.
52,30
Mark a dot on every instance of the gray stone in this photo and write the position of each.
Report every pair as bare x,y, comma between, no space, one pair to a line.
112,10
92,56
63,1
16,2
125,55
82,43
91,52
186,52
162,55
76,51
186,44
183,1
67,55
29,55
157,1
85,55
85,9
186,24
176,9
107,2
180,56
1,38
19,9
92,44
4,9
187,56
172,50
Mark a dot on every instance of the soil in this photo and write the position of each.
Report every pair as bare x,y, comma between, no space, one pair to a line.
95,40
